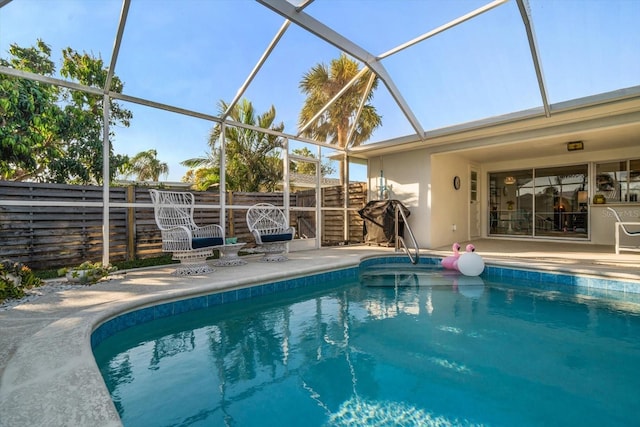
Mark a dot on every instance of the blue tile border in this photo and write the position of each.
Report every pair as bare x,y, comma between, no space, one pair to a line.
561,278
127,320
590,285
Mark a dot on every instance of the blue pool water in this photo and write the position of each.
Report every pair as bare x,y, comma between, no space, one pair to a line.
397,346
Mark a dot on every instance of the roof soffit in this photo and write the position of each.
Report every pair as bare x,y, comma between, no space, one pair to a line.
522,126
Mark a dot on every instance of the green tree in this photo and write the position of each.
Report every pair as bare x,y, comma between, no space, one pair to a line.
54,134
204,171
29,115
307,168
146,166
321,84
252,157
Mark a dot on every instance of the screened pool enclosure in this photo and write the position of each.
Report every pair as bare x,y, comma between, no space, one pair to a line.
435,72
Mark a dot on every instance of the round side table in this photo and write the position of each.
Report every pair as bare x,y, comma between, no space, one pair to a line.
229,255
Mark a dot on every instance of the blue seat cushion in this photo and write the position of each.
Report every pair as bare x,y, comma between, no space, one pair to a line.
205,242
270,238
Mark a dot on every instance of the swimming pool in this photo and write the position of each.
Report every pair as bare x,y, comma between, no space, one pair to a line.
404,347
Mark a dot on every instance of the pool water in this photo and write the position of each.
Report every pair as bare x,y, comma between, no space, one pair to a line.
399,347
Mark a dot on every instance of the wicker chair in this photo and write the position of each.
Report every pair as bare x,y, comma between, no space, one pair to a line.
189,243
271,231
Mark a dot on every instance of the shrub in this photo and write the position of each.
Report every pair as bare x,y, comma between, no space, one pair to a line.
87,272
15,277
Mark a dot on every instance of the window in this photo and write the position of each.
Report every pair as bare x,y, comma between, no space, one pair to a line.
618,181
634,180
474,186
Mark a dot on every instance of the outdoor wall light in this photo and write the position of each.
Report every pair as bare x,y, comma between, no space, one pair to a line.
575,146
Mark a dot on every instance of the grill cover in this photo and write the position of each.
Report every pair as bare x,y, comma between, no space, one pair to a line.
379,221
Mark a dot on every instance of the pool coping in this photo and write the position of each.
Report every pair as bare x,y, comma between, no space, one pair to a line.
45,383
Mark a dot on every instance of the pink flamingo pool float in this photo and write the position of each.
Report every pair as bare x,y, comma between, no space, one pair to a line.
473,263
451,262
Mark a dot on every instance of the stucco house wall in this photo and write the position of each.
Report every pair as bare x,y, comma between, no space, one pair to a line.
423,181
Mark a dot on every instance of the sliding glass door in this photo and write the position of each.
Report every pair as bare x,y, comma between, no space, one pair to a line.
511,203
561,208
544,202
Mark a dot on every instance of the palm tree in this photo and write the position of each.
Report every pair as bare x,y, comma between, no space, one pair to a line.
252,158
320,85
146,166
203,171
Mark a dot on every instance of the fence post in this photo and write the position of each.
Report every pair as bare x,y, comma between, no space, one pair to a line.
131,224
230,218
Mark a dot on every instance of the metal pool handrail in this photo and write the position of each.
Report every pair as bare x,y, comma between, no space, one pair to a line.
399,240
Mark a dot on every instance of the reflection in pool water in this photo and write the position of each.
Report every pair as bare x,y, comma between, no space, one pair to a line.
406,346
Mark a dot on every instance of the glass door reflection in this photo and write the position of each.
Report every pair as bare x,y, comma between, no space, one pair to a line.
511,203
546,202
561,204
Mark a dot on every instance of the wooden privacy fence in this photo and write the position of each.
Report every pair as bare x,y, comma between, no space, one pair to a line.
55,236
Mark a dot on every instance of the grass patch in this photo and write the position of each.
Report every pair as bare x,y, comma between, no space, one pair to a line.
146,262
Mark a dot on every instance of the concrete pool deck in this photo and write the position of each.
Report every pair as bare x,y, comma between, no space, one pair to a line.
48,376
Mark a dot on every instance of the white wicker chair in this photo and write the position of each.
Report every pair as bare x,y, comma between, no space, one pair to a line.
271,230
189,243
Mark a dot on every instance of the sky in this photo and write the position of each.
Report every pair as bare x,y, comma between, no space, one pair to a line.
194,53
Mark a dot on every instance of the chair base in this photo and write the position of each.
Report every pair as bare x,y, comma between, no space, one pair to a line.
274,252
274,257
627,249
193,262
